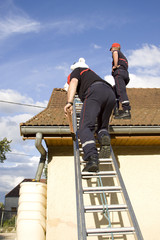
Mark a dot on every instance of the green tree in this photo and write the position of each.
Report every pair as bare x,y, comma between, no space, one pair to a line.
4,148
1,205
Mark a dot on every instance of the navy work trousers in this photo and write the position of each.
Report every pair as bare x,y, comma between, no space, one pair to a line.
121,78
97,106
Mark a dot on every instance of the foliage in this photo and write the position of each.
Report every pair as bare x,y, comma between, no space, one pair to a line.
4,148
1,205
10,222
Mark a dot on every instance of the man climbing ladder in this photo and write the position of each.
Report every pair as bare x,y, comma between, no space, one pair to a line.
98,101
121,77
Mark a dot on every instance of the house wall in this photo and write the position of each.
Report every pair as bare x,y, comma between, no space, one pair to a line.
140,168
61,198
11,206
11,202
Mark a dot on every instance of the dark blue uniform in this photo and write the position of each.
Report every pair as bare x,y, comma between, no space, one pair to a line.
98,101
121,77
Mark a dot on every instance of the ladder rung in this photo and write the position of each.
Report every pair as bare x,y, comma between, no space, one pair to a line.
106,231
81,149
104,163
108,189
79,103
101,160
105,159
99,174
111,208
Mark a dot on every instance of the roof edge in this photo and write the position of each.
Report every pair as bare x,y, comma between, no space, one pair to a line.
65,130
26,130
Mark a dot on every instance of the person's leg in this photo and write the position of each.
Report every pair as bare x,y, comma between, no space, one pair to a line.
86,130
103,121
116,107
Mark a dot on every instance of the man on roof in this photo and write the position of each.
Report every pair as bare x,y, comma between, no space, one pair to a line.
121,77
98,102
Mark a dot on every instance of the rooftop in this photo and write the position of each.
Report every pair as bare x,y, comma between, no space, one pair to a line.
144,102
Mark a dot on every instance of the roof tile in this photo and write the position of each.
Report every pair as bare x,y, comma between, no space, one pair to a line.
144,102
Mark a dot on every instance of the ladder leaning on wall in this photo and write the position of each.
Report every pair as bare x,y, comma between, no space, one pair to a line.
109,206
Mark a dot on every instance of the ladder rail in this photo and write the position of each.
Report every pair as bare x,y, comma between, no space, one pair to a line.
82,235
126,197
80,191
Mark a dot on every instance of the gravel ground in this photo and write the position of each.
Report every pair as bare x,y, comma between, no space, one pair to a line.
7,236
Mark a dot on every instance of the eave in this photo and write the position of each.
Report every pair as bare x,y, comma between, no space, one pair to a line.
120,135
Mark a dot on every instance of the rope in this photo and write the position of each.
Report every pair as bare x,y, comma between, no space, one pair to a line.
105,204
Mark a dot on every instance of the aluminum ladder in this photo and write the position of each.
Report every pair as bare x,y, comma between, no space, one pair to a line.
105,187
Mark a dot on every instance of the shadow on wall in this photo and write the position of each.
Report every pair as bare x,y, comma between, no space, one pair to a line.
135,150
117,219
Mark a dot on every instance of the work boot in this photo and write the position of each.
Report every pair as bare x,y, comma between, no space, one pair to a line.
124,115
116,112
92,164
105,150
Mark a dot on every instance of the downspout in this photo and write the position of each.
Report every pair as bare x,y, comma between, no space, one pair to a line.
38,144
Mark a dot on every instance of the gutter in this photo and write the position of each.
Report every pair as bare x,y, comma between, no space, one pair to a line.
134,130
26,130
65,130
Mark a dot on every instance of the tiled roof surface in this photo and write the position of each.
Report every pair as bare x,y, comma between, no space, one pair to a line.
145,109
53,115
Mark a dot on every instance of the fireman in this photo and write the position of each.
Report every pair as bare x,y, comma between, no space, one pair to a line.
121,77
98,102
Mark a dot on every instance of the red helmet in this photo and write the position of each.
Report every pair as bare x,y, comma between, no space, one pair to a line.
115,45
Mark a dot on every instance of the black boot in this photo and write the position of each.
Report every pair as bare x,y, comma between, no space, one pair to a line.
105,150
116,112
92,164
124,115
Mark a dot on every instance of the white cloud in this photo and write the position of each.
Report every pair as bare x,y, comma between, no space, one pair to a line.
9,127
15,21
17,24
65,68
95,46
18,165
138,81
144,81
8,182
144,67
147,56
109,79
66,26
10,95
74,25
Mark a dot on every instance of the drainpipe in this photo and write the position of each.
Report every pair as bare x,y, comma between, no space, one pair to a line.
38,144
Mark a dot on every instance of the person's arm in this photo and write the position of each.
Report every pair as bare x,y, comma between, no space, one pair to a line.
115,60
70,95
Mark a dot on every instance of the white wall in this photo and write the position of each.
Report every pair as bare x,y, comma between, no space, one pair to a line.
140,168
61,198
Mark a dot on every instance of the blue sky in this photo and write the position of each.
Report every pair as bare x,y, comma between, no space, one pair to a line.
39,40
